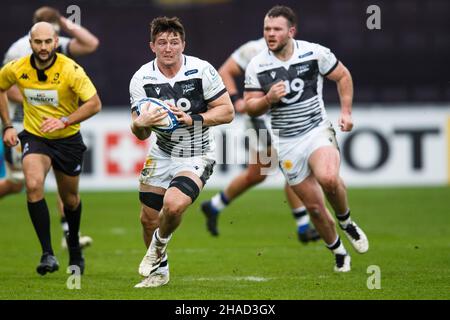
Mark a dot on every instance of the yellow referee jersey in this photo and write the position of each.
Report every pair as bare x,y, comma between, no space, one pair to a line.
58,95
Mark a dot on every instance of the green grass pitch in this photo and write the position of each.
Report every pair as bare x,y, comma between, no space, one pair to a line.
257,255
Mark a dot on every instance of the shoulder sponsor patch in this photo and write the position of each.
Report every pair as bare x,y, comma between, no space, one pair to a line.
191,72
305,55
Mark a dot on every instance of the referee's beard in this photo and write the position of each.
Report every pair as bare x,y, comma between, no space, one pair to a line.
51,55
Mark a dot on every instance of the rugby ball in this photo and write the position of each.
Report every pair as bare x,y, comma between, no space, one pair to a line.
169,123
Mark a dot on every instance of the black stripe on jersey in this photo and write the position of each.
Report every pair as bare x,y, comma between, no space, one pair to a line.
331,69
217,95
175,144
134,109
296,131
297,108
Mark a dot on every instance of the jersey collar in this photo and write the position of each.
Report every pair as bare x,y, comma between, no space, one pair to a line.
41,72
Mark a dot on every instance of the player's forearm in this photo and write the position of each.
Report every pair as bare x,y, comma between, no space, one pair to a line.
345,91
85,111
256,106
4,113
229,83
89,41
85,41
140,132
14,94
344,84
220,114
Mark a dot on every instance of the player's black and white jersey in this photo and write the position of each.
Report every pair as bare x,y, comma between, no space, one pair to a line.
245,53
196,84
302,109
22,48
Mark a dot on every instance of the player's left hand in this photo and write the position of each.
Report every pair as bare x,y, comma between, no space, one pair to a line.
346,122
10,137
182,116
51,124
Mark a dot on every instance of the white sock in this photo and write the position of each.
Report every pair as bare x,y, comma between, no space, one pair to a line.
340,249
344,223
218,203
302,220
161,239
65,226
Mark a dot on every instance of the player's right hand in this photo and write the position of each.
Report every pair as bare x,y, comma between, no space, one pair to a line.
151,117
10,138
239,106
276,92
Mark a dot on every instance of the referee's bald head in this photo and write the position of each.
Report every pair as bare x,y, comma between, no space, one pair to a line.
43,29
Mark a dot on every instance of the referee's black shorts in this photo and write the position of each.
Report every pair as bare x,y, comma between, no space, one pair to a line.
66,153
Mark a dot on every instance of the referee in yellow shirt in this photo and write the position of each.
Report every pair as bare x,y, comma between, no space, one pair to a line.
52,86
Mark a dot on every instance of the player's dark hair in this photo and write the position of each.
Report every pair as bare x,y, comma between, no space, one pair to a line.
46,14
165,24
283,11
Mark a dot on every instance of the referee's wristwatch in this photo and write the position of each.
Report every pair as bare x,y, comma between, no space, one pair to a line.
65,120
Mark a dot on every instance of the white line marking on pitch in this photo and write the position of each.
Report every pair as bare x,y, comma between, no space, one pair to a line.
229,278
118,231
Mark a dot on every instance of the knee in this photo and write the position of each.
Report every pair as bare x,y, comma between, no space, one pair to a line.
70,201
329,183
174,207
314,210
35,185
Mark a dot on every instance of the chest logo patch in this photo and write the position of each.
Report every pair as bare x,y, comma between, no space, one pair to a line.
42,97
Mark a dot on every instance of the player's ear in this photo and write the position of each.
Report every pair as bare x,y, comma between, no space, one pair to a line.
292,31
152,46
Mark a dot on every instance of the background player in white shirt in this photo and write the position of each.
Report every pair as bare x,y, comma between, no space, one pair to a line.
287,79
174,172
234,67
82,42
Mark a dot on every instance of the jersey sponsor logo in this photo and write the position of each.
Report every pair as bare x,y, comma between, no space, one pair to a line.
24,76
158,90
302,69
188,87
263,65
190,72
273,74
42,97
149,78
305,55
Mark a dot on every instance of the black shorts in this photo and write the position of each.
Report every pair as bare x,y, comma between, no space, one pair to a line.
66,153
